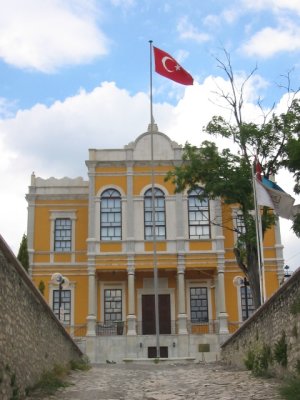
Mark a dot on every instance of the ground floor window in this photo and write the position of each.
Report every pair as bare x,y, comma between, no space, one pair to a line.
112,305
199,304
65,305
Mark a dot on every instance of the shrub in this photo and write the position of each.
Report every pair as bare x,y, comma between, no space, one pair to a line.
83,364
258,360
249,361
297,367
51,380
290,390
295,307
280,350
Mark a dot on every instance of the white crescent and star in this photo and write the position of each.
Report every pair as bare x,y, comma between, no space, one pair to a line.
164,63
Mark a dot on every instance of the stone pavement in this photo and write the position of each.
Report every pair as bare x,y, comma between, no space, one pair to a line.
166,382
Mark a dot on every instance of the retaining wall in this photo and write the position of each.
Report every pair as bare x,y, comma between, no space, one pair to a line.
278,318
32,340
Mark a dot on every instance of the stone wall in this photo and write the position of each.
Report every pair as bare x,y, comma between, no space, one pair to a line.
274,327
32,340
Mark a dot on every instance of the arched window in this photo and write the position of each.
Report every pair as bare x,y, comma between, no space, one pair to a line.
110,215
160,215
198,209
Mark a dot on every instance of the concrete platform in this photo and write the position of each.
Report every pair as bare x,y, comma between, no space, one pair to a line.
171,360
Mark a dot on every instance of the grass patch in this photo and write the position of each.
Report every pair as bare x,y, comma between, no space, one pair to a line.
80,365
55,379
290,390
52,380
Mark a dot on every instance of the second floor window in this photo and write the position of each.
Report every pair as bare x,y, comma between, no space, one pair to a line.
159,222
110,218
62,235
240,224
198,209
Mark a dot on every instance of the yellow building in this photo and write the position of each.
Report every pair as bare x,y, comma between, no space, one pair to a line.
98,233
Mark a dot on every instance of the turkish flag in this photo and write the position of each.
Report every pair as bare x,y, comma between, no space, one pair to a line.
258,170
168,67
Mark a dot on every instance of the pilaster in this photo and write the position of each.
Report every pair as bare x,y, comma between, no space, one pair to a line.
131,317
182,317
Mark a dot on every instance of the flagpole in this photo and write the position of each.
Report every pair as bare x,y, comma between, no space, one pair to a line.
258,229
155,271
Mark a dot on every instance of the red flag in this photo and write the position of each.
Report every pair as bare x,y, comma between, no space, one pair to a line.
168,67
258,169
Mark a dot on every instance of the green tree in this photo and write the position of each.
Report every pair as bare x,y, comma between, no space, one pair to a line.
23,253
293,164
228,173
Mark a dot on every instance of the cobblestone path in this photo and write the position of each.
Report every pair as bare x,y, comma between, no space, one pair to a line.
166,382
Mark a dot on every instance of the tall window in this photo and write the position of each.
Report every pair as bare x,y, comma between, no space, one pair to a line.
160,215
110,218
65,308
62,234
112,305
247,303
240,224
199,227
199,304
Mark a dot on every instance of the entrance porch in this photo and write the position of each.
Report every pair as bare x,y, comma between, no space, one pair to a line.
142,348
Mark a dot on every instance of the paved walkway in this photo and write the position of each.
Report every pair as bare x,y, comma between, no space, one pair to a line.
166,382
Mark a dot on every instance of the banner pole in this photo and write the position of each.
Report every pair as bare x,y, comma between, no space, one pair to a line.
155,271
258,229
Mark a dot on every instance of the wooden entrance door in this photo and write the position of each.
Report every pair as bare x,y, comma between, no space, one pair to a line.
148,314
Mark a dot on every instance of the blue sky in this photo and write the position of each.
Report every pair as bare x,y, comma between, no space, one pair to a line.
75,75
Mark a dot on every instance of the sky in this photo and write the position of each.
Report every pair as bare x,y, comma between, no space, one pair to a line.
75,75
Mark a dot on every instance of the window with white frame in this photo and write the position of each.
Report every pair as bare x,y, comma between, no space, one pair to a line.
62,235
65,305
110,215
247,303
199,304
112,305
159,222
239,224
198,210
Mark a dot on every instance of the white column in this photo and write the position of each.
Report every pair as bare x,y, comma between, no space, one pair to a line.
30,197
131,317
91,246
129,216
182,317
219,245
30,222
279,253
222,316
91,318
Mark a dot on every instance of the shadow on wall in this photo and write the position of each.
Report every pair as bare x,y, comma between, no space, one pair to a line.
32,340
269,341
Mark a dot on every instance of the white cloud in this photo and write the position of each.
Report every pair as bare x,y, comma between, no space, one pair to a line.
47,35
270,41
273,5
188,31
228,15
6,107
212,20
55,136
123,3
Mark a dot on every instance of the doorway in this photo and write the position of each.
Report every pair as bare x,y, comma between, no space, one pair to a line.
148,314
